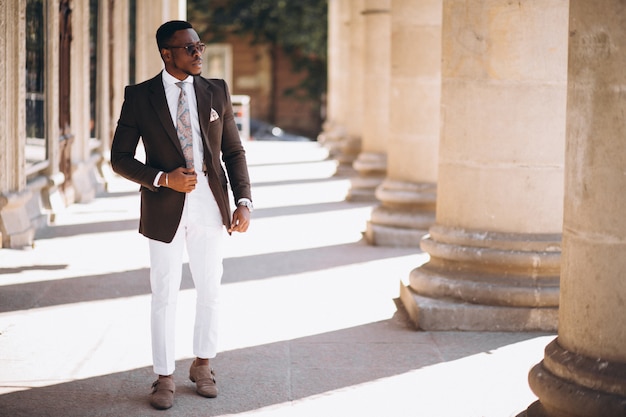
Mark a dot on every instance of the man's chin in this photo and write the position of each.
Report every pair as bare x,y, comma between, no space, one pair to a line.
196,69
194,72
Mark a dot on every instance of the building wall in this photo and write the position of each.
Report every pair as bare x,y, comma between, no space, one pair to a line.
252,68
290,112
264,74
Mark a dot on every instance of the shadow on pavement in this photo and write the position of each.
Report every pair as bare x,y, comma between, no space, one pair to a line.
275,264
306,209
69,230
265,375
114,285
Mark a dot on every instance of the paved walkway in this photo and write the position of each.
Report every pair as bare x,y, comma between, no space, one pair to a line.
309,324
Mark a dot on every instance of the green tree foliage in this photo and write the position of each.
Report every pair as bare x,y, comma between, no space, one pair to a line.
299,27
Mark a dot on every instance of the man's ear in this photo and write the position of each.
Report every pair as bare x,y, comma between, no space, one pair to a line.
166,54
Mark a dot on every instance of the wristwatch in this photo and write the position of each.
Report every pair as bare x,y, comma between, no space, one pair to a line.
247,203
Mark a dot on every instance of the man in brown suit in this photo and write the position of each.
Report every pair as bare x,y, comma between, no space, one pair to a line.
187,127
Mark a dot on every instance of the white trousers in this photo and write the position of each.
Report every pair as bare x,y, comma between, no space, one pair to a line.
201,231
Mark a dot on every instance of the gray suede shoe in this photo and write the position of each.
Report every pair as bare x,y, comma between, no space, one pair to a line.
204,378
162,396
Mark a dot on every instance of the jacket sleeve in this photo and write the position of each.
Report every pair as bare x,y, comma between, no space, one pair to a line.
125,141
233,153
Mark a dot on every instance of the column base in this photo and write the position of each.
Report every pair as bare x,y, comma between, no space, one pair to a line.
344,169
87,181
52,195
15,225
371,168
394,237
341,147
350,148
363,188
331,137
433,314
406,214
38,212
398,228
572,385
486,281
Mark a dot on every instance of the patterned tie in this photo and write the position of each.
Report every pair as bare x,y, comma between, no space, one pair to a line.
183,126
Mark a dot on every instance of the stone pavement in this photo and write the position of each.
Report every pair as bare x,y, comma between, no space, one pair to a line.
309,325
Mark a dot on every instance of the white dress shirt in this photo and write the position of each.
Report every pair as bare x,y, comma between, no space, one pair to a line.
172,92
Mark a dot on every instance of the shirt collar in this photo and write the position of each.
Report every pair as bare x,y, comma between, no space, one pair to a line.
171,80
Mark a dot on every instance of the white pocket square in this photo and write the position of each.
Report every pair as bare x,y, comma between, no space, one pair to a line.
214,115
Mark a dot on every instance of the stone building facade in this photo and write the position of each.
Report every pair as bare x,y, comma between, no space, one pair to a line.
490,134
63,71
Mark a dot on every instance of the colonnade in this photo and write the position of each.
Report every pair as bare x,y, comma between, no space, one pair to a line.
43,172
462,146
498,149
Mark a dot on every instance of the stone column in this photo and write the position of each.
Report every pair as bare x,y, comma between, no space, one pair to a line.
51,194
495,247
120,68
337,96
583,372
150,15
12,97
103,60
85,179
350,144
119,75
408,193
16,229
371,164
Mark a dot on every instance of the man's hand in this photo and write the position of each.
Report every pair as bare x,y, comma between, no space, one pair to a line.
241,220
181,179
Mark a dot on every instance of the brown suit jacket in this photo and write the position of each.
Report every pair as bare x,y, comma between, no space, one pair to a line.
145,115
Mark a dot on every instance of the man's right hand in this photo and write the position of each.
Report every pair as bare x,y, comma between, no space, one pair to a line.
181,179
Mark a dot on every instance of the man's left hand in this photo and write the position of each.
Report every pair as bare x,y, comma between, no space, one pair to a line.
241,220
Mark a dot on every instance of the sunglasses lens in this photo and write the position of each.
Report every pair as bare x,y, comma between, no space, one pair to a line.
192,49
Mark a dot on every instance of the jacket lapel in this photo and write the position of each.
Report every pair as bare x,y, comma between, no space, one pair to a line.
159,103
204,97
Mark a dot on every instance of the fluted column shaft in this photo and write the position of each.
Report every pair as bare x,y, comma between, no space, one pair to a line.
584,370
495,247
408,193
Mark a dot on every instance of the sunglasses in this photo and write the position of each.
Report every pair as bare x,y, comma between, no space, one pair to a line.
191,49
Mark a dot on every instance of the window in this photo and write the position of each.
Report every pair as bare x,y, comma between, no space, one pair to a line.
36,149
218,58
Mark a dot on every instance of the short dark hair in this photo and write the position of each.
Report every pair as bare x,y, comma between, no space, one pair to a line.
165,32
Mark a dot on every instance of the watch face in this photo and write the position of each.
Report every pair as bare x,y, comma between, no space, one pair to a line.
247,204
